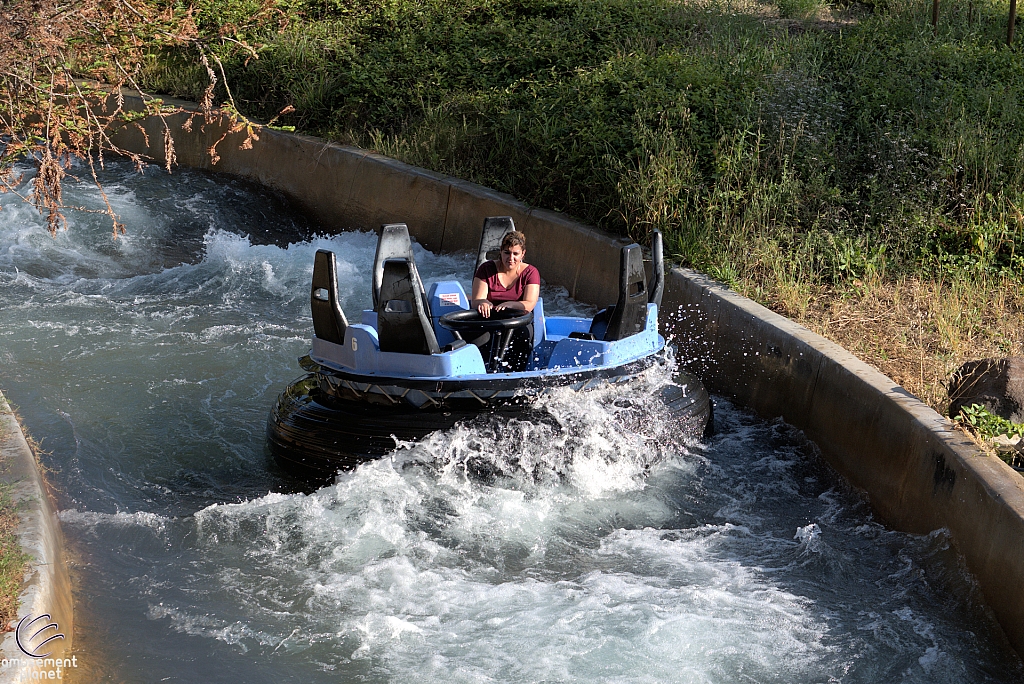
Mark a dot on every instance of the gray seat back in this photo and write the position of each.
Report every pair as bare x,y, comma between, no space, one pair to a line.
403,319
657,285
329,322
393,243
629,315
495,229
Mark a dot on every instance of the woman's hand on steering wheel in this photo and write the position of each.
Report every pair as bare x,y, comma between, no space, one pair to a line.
484,308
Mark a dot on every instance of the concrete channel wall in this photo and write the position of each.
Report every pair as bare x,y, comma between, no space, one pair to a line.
918,473
46,589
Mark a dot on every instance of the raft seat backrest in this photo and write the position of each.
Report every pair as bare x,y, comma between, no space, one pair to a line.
329,322
598,325
629,315
494,231
657,283
540,323
403,319
393,243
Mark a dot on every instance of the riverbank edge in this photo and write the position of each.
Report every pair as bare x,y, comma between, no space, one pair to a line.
918,473
46,588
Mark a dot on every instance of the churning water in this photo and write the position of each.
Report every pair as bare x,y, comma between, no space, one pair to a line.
147,366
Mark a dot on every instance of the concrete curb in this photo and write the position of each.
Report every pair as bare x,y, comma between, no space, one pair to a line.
47,585
918,472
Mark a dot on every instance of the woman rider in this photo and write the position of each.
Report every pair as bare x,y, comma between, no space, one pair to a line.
508,283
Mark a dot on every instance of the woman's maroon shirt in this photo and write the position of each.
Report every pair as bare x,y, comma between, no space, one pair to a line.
498,293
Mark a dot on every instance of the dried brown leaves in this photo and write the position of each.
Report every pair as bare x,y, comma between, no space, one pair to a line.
52,117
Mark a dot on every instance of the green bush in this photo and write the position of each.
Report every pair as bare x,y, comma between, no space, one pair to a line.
988,425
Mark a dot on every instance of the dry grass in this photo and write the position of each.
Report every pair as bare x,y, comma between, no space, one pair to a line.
916,332
13,559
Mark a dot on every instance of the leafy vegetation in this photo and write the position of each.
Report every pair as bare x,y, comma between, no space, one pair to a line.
853,169
987,424
13,559
50,115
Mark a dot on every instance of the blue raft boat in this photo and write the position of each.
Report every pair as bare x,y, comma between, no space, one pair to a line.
406,369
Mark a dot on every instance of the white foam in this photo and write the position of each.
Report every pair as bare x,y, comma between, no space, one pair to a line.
138,519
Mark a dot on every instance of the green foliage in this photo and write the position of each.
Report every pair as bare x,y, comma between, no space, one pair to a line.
875,149
987,424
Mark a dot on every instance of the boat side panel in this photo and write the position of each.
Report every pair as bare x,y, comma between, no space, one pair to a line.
541,356
574,353
466,361
570,353
561,326
361,349
361,354
641,344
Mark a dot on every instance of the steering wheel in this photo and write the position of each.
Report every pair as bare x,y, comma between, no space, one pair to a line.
472,320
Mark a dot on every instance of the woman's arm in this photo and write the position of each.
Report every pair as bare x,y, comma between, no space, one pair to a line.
530,296
479,299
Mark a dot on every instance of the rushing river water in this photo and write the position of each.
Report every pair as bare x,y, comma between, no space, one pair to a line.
146,366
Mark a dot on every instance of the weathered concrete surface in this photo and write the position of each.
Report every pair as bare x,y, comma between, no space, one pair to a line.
47,586
918,473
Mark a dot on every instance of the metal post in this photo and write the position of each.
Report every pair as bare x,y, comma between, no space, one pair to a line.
935,15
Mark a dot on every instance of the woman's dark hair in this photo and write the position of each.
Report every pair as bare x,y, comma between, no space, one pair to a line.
512,239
